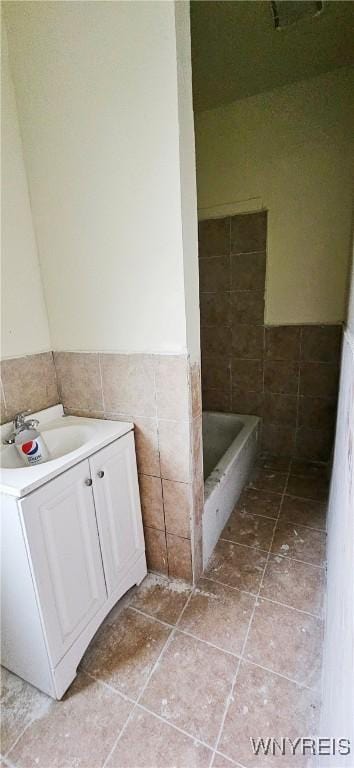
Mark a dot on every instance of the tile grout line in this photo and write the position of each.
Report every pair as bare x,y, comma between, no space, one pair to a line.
234,681
276,554
154,667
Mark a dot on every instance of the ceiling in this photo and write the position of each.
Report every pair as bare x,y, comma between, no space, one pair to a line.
236,52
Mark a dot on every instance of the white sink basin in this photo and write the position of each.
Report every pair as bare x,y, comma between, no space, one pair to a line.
69,439
59,441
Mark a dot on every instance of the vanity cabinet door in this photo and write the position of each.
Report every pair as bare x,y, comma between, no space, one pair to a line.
116,492
60,528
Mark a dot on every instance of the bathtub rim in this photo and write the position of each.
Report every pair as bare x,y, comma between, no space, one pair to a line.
225,464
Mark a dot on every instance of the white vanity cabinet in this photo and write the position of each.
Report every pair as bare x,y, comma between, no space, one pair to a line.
70,550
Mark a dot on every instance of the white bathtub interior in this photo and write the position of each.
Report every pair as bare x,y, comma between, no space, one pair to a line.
230,443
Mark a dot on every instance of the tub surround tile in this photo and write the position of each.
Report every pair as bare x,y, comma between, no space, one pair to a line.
298,585
214,274
279,439
156,550
236,566
80,730
247,375
282,342
247,307
152,506
248,272
28,383
247,341
218,614
319,379
214,237
264,703
148,741
215,309
124,651
216,341
281,377
249,232
291,364
217,400
190,665
161,598
321,343
179,554
293,650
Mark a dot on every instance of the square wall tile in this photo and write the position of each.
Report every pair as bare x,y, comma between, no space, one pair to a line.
247,341
216,341
278,440
175,450
281,377
321,343
247,307
146,441
214,274
172,387
247,375
152,502
79,380
215,308
314,444
217,400
319,379
249,403
29,383
177,501
129,383
249,232
179,553
216,373
282,342
156,550
280,409
317,412
248,272
214,237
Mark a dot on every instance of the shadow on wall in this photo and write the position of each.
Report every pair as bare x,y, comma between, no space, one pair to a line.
288,375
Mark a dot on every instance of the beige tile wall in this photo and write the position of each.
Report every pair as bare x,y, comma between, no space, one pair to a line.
27,384
161,394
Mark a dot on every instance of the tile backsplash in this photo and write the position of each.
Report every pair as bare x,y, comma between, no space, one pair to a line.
288,375
27,384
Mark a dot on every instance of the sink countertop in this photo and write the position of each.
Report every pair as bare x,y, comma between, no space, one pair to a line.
19,481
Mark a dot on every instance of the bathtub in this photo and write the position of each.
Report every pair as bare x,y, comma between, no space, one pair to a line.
230,445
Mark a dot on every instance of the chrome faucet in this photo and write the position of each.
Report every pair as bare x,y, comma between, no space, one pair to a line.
20,424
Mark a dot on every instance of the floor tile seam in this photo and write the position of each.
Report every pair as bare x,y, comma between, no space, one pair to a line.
130,716
186,632
262,597
278,674
276,554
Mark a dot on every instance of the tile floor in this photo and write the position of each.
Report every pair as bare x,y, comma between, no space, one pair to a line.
183,678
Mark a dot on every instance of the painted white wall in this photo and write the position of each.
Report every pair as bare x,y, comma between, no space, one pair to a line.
338,667
96,87
188,178
291,151
24,323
